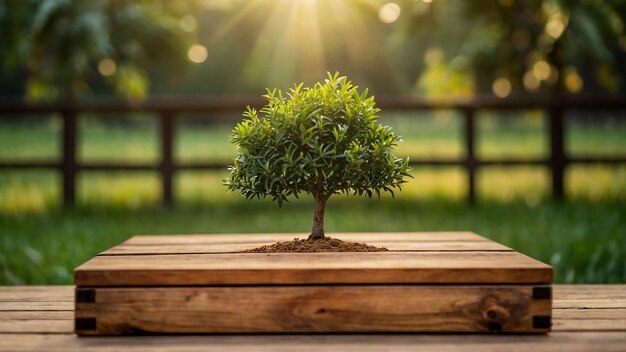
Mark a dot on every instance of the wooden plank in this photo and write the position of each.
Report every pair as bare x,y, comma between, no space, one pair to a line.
45,322
36,326
591,339
590,319
590,301
37,315
36,309
612,291
235,246
34,306
276,309
223,243
29,298
589,307
312,268
36,293
274,237
590,296
192,307
554,342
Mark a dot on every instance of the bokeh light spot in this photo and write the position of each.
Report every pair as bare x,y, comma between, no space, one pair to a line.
389,12
188,23
502,87
531,83
541,70
107,67
556,25
197,53
573,82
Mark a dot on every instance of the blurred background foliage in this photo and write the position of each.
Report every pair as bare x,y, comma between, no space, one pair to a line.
62,45
433,49
525,46
436,48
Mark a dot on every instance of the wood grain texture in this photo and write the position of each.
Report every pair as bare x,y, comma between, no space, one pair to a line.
419,258
590,296
192,284
589,307
48,322
348,236
35,306
312,268
613,319
424,241
370,308
36,309
554,342
36,294
589,337
36,298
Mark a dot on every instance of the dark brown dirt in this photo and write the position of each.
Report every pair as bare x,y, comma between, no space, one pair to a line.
326,244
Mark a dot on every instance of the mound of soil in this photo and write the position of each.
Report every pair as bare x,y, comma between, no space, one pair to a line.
326,244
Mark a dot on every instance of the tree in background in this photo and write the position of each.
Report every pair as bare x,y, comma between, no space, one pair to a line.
530,45
62,44
438,48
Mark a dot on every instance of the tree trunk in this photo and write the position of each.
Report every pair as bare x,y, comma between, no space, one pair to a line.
317,232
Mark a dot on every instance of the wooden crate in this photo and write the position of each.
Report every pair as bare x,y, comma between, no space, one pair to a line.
426,282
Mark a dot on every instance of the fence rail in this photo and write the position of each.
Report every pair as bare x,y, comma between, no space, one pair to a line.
167,110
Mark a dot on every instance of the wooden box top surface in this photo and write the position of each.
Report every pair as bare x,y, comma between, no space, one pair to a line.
413,258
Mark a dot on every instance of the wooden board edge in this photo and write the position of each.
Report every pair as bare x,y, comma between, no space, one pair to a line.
321,309
135,278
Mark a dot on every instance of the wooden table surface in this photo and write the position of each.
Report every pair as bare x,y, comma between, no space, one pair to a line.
585,318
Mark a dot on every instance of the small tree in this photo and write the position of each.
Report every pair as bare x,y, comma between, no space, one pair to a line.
323,140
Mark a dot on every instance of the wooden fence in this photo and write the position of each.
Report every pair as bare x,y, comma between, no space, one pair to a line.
167,110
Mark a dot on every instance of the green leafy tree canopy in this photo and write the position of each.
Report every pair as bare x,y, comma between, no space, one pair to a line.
540,46
63,44
321,141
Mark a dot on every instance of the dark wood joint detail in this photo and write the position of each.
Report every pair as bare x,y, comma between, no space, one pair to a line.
82,324
542,292
542,322
87,295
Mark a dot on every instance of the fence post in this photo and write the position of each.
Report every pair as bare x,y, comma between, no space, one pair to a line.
470,159
167,162
68,164
557,153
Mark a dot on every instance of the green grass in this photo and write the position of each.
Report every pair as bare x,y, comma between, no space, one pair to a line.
425,135
583,237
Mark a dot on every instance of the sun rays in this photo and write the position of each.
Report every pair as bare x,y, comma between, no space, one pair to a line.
299,40
289,45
